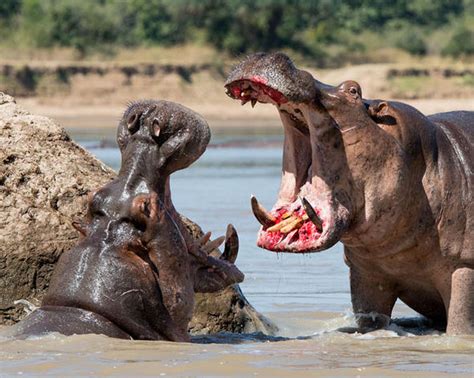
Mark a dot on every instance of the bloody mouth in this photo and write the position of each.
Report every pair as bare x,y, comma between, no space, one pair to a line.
292,231
295,227
253,90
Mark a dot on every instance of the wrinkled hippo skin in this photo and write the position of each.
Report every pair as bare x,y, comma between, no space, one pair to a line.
393,185
136,269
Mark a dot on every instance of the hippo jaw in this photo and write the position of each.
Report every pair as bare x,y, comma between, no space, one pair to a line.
313,208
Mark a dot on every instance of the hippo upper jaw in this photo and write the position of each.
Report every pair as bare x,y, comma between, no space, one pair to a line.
269,78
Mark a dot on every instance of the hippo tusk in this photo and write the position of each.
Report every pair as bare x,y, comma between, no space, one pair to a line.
231,248
204,239
262,215
313,216
209,247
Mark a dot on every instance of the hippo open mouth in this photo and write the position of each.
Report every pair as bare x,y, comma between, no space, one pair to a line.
308,215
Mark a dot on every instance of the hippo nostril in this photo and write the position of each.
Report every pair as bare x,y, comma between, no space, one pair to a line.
133,123
155,127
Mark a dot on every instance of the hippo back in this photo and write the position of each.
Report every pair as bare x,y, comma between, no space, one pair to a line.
454,157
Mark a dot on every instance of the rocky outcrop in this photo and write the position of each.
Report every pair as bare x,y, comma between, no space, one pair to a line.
44,182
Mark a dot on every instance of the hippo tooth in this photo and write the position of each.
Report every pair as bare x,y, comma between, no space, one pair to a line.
210,246
231,248
295,224
204,239
286,222
286,215
313,216
262,215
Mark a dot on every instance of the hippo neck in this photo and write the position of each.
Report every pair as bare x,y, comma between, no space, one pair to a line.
330,171
385,176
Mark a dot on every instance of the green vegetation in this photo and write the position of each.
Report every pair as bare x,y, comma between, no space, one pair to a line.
325,32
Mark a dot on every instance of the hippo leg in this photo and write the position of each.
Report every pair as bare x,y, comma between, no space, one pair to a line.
461,304
373,299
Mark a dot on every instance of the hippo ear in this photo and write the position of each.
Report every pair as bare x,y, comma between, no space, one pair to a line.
380,112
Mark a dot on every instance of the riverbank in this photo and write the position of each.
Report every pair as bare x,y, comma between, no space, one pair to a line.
98,92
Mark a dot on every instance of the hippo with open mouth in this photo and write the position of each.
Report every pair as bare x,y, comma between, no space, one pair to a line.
136,269
394,186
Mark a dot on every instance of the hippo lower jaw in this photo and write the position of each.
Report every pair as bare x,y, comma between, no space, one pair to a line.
300,227
307,217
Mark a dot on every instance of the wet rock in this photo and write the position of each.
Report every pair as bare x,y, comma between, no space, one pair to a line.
44,182
227,310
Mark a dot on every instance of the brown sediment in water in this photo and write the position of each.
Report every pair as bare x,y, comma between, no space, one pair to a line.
381,353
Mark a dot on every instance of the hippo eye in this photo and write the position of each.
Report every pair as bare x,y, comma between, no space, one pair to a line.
353,91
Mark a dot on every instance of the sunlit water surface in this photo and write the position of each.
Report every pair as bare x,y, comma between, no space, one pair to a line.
307,296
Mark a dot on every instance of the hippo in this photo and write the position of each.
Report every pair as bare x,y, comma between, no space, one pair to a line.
136,268
393,185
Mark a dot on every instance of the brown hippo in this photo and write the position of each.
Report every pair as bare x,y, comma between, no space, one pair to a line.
136,269
394,186
114,282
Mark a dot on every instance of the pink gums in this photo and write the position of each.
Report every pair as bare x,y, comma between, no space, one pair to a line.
260,83
301,239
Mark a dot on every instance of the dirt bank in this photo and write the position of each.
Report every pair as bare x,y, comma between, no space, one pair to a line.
94,94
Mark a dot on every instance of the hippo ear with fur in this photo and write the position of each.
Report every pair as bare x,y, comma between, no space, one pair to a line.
379,111
216,273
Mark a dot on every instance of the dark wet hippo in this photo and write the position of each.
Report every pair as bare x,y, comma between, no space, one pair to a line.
395,186
136,269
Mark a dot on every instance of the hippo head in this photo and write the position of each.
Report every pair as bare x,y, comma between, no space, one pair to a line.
161,137
156,138
324,164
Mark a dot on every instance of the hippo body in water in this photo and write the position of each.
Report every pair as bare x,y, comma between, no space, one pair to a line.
394,186
136,269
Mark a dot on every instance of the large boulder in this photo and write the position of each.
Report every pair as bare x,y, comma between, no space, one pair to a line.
44,182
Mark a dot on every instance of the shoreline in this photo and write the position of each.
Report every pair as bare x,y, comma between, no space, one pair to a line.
224,116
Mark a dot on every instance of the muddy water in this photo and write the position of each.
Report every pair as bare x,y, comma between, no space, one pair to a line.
307,296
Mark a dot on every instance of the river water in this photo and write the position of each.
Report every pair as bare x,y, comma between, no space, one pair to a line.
307,296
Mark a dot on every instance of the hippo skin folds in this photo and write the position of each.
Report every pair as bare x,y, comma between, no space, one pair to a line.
393,185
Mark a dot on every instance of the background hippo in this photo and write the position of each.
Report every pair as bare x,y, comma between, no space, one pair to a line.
135,272
395,186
